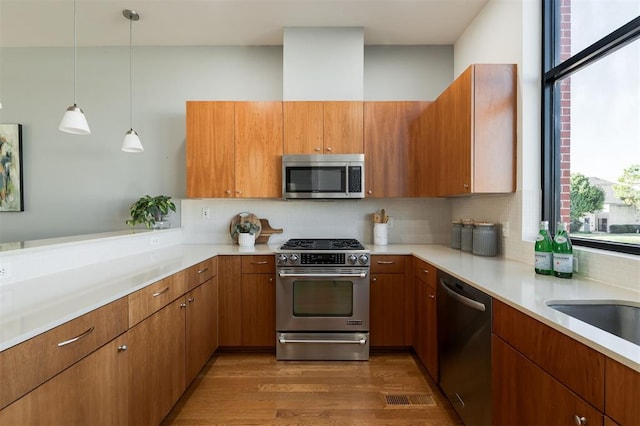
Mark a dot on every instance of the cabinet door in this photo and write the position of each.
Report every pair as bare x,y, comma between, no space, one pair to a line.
622,392
425,152
201,326
258,310
88,392
524,394
230,296
156,364
258,149
343,127
387,310
426,335
391,129
455,131
210,149
303,127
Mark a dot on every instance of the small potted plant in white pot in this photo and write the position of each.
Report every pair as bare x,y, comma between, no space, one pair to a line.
151,211
246,232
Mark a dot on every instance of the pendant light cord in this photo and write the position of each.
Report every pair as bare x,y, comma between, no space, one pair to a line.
130,73
75,48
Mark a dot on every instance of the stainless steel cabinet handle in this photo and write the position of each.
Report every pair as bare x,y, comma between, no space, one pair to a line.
464,300
432,296
75,339
329,149
362,341
262,262
579,420
465,186
227,192
201,271
183,305
122,348
317,148
386,262
369,192
374,279
191,300
158,293
426,271
357,275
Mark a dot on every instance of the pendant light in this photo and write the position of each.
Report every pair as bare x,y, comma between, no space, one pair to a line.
131,141
73,120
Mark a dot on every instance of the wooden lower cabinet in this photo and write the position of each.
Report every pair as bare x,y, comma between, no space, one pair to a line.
391,306
90,392
425,342
156,364
201,337
622,393
247,301
258,310
524,394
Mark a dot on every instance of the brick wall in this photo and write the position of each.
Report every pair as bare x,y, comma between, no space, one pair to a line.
565,113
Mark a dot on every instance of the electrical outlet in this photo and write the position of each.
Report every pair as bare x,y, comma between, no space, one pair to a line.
505,229
206,213
5,270
576,266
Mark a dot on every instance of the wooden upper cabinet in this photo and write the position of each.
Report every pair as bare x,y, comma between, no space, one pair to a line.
303,127
317,127
425,152
210,149
476,132
392,135
258,149
343,127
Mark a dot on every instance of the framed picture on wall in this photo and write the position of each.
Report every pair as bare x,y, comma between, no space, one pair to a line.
11,196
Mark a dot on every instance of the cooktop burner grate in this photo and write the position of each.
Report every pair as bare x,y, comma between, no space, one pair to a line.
323,244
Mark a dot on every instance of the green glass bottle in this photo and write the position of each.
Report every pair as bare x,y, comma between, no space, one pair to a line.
562,253
544,250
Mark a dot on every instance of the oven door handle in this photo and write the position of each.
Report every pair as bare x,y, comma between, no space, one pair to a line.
362,341
328,275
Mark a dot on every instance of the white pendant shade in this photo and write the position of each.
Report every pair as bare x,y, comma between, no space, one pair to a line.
132,142
74,121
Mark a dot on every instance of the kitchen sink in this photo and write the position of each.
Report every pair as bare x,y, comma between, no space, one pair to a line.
617,317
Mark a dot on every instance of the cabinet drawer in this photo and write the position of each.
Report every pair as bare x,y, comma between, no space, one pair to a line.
387,264
425,272
201,272
577,366
154,297
258,264
29,364
622,391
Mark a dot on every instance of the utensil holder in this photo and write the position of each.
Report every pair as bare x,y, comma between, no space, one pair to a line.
380,234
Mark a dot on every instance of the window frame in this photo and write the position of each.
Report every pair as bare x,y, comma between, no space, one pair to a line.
552,72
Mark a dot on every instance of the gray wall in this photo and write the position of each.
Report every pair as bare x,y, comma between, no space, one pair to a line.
84,184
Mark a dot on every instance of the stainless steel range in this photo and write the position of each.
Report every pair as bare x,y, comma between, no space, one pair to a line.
322,300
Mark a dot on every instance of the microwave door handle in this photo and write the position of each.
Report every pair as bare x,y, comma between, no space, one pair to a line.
317,275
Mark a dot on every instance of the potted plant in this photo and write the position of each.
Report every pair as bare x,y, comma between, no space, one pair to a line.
246,232
151,211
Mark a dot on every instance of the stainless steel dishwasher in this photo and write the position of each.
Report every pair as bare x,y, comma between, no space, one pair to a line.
464,348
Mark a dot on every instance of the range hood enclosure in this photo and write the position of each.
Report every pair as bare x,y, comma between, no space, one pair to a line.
323,64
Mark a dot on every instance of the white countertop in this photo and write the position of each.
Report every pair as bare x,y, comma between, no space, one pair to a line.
30,307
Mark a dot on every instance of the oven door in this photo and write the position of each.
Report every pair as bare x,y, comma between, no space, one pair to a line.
322,299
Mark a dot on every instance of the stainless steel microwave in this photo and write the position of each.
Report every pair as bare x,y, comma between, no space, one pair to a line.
322,176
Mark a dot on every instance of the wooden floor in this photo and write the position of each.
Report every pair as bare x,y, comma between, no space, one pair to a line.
255,389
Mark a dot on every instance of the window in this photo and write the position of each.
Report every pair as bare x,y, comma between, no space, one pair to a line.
591,121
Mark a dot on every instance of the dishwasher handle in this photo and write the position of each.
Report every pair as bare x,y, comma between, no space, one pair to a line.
464,300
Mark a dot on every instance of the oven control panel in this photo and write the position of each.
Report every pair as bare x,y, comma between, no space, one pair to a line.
316,258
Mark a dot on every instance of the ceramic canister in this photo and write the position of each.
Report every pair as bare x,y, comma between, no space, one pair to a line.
485,239
466,236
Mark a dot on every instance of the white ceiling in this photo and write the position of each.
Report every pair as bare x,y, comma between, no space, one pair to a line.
229,22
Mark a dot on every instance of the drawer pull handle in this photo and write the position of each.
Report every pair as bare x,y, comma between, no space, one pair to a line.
183,305
386,262
426,271
161,292
202,271
579,420
262,262
432,296
75,339
122,348
191,300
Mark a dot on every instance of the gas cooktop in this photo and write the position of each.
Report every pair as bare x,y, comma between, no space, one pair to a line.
322,244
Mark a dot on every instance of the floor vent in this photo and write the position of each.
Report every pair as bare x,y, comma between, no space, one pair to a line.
403,400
